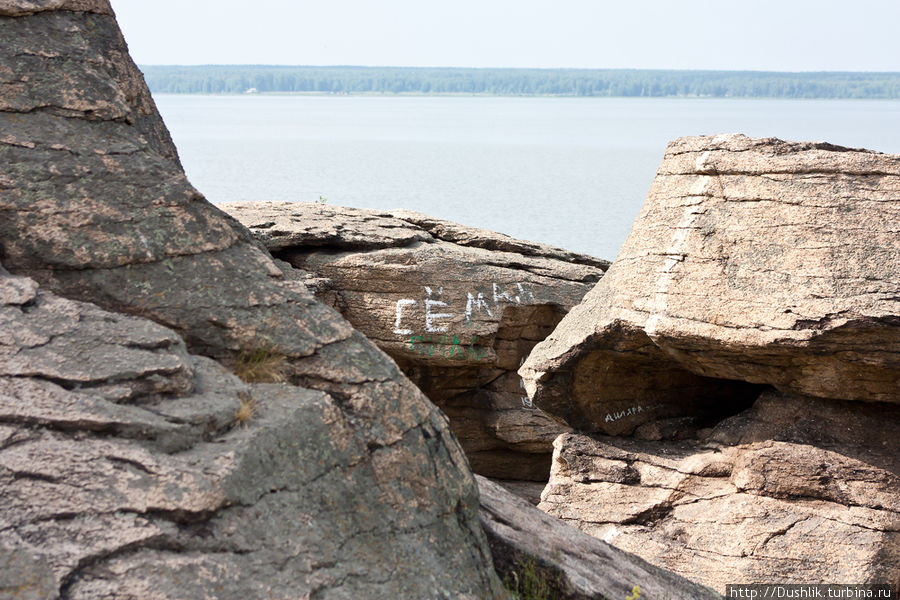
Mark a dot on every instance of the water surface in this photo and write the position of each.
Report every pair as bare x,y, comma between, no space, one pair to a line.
571,172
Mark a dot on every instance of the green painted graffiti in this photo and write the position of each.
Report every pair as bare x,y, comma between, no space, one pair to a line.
447,346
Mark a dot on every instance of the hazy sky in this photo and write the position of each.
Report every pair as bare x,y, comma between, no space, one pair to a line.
784,35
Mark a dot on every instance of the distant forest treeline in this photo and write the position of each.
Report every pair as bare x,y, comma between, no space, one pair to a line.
220,79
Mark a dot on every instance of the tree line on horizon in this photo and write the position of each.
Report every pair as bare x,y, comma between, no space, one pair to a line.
216,79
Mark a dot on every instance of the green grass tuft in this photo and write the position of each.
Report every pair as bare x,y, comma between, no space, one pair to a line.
261,365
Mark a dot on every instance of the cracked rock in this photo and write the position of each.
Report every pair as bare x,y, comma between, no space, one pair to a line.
121,357
578,566
122,496
458,308
793,490
121,465
753,261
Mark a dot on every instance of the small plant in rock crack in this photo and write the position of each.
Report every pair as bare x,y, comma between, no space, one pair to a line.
528,582
261,365
246,410
322,200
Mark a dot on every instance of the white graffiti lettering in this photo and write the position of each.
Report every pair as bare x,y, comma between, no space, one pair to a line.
610,417
478,303
524,294
477,306
400,304
430,326
628,412
501,296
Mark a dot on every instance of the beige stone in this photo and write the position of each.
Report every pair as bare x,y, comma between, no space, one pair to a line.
753,261
794,490
458,308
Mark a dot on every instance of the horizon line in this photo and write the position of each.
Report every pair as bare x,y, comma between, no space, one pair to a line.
632,69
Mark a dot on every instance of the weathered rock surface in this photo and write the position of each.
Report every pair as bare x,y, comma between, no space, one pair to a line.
95,205
124,489
528,543
18,8
793,490
119,468
753,261
458,308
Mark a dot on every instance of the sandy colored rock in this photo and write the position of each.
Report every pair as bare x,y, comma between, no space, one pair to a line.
793,490
752,260
458,308
356,488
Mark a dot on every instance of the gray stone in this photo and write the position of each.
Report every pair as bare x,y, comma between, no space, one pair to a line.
24,576
122,356
123,497
111,463
527,543
458,308
18,8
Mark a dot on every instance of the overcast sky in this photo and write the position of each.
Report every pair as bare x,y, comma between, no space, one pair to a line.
783,35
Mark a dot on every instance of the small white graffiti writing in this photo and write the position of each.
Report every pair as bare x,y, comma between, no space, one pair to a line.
400,304
478,303
628,412
526,401
430,317
438,308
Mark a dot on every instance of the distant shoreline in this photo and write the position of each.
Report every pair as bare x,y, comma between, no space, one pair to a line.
446,81
484,95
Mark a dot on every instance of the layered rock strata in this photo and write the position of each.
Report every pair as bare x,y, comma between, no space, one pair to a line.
133,469
458,308
753,261
756,266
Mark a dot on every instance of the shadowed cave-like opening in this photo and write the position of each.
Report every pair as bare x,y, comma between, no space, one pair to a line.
503,434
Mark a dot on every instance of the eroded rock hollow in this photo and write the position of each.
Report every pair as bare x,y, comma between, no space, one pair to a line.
753,261
745,349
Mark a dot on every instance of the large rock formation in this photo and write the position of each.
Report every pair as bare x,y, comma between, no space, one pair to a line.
539,555
458,308
95,204
794,490
753,261
755,266
135,470
120,471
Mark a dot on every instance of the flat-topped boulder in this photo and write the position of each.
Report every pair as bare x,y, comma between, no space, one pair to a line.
794,490
753,261
458,308
123,470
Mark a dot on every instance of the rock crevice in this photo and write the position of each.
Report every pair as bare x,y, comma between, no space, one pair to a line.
458,308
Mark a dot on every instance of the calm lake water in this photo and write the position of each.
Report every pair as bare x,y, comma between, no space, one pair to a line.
571,172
